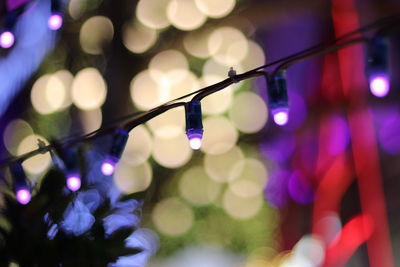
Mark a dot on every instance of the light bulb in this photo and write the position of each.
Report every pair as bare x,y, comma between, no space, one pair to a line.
281,116
73,182
108,167
55,21
377,67
23,196
379,85
195,141
117,148
6,39
194,125
278,97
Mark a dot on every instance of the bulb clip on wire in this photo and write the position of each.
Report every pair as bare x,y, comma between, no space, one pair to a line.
21,188
194,124
377,67
55,20
71,168
278,97
117,148
7,37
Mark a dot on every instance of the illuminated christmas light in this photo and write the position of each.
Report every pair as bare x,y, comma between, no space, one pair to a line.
194,125
379,85
379,80
278,97
118,146
23,196
281,116
55,21
6,39
21,189
73,182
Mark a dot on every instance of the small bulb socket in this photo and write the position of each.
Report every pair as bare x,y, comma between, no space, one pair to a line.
194,124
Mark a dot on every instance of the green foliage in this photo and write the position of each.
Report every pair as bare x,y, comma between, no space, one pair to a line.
24,231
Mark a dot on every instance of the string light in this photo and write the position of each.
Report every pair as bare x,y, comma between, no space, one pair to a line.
7,38
21,188
118,145
277,93
379,80
55,20
194,125
278,97
71,166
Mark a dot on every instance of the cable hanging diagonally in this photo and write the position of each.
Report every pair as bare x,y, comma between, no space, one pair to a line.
136,119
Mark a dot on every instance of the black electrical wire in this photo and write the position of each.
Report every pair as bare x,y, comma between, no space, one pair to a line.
142,117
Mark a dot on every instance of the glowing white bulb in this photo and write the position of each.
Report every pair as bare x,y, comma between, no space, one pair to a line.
195,143
379,85
281,117
55,22
23,196
107,168
74,183
6,39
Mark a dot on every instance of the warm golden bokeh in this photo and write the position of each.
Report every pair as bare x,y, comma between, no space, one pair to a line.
131,179
14,133
172,217
248,112
197,188
89,89
185,15
95,34
37,164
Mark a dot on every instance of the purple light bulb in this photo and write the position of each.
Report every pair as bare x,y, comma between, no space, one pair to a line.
73,182
23,196
108,167
195,140
6,39
55,22
281,116
379,85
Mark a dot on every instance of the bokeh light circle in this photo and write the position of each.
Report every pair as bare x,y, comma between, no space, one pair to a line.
138,38
169,63
91,119
95,34
219,135
145,91
169,124
38,95
172,152
152,13
172,217
228,46
38,163
64,79
196,187
218,102
196,43
226,166
300,189
248,112
131,179
255,56
14,133
185,15
89,89
311,248
240,207
216,8
252,179
139,146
